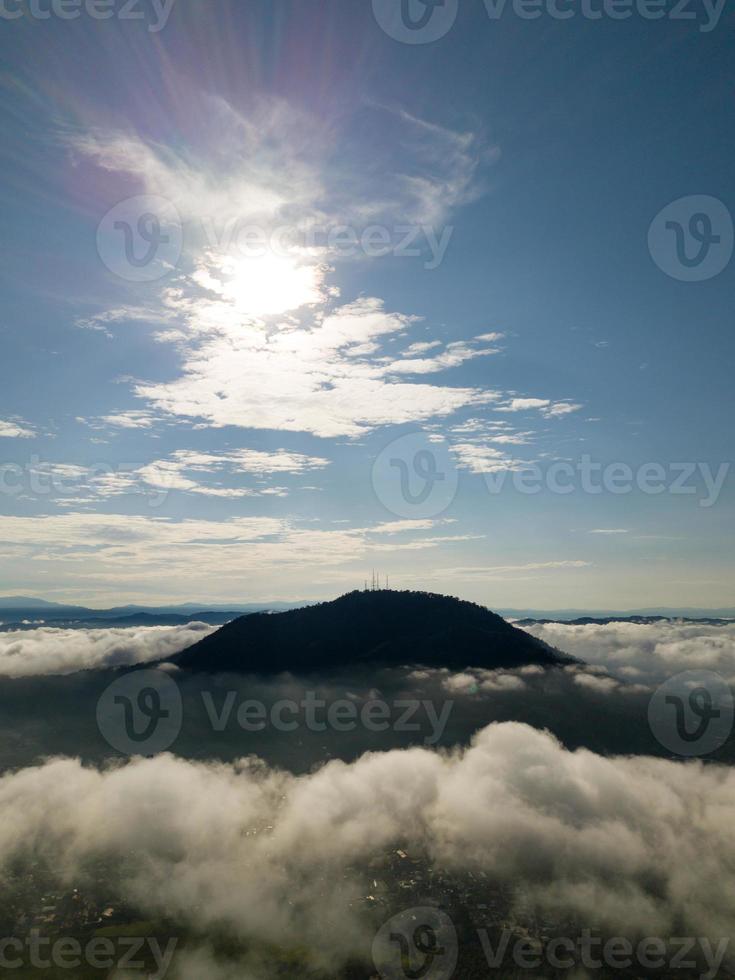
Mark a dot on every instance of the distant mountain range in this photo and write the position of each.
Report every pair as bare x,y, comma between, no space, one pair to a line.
27,612
381,627
27,602
640,620
61,609
658,612
24,612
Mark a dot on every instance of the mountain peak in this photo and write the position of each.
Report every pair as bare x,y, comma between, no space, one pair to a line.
380,626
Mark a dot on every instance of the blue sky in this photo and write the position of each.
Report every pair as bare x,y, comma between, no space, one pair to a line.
446,263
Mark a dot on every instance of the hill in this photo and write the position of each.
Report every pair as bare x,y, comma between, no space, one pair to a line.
373,627
26,602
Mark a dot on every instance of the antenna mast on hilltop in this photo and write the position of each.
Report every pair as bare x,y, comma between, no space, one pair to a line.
375,582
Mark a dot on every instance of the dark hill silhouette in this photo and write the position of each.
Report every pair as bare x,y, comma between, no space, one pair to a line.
372,627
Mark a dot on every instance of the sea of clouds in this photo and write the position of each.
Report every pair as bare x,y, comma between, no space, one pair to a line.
630,844
637,845
636,654
51,650
646,653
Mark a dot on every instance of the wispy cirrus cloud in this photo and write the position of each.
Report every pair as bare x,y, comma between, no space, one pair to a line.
184,470
255,556
121,420
171,473
531,566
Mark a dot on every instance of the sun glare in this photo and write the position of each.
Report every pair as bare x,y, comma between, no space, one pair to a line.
269,284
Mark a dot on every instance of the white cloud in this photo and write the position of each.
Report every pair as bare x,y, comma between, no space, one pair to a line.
612,842
169,474
477,682
300,379
122,420
246,359
593,682
523,404
396,527
646,652
47,650
547,407
224,558
420,347
561,408
433,169
454,355
512,439
176,472
477,441
497,570
16,428
479,458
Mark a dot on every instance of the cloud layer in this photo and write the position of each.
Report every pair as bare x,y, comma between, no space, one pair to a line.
637,845
48,650
646,653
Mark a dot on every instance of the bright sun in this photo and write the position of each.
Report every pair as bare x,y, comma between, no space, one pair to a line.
268,285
